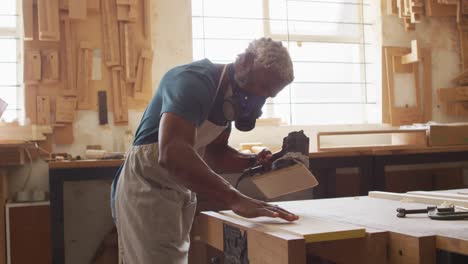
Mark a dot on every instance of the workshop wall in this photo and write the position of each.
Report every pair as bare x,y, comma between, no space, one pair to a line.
172,45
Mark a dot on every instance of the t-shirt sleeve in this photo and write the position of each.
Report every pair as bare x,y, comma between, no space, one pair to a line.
188,95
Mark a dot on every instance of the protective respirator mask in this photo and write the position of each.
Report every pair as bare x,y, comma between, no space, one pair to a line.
242,107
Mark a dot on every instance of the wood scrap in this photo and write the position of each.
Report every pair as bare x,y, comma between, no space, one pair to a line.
77,9
50,66
427,84
400,115
143,77
65,109
43,110
462,78
84,74
413,56
48,16
417,198
127,51
32,66
63,134
30,103
119,94
28,23
146,18
110,32
436,9
68,57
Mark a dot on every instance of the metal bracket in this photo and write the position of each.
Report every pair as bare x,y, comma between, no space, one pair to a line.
235,245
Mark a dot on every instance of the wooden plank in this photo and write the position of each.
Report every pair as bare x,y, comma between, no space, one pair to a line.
65,109
417,198
50,66
427,84
453,94
85,164
440,195
119,94
128,47
28,23
77,9
110,32
385,97
64,134
143,75
48,16
413,56
43,110
147,19
32,66
69,61
284,181
84,75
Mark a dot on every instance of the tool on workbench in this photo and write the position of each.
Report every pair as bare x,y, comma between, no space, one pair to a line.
435,213
289,171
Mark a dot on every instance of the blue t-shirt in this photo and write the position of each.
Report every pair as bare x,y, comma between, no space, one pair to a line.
190,91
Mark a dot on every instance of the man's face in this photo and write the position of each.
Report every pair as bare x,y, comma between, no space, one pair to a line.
263,82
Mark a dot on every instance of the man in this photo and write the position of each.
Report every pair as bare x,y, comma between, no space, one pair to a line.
185,127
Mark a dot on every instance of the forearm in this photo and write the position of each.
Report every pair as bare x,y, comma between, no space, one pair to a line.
188,168
225,159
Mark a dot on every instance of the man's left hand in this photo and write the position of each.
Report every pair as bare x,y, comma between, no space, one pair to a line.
264,158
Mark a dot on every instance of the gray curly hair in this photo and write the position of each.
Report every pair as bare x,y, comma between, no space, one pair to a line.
271,55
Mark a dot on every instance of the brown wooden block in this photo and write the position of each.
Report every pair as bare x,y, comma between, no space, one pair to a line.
77,9
65,109
84,75
28,23
48,16
43,110
68,57
32,66
110,32
119,94
63,134
50,66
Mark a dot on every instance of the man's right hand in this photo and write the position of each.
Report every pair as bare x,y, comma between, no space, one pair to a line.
250,208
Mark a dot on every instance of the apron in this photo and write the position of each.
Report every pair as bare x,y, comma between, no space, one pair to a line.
154,213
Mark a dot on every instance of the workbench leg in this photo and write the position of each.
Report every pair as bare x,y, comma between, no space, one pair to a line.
3,197
264,248
404,249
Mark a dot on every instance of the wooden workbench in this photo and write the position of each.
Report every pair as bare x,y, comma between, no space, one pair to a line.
342,230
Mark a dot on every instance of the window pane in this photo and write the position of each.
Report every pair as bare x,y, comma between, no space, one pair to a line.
7,21
282,111
224,50
197,7
9,95
8,50
8,74
327,93
328,72
223,28
335,114
8,7
237,8
326,52
320,11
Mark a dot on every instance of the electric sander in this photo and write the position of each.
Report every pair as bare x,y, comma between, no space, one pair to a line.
289,171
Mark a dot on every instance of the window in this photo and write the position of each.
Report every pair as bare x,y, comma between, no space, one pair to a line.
333,44
10,66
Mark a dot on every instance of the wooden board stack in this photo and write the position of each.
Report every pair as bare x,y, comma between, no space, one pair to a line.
63,68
